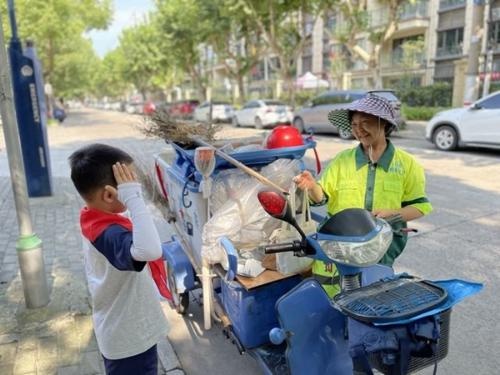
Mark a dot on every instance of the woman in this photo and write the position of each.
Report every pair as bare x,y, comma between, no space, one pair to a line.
375,175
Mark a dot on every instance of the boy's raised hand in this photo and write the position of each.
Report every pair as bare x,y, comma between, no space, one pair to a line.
123,173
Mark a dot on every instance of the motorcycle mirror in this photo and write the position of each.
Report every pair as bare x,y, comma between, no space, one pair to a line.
276,205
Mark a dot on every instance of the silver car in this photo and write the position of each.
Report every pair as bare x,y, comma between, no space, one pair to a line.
262,113
221,111
476,125
313,117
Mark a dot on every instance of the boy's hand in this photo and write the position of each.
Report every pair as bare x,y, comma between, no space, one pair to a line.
123,173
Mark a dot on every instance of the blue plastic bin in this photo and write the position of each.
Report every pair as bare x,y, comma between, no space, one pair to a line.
252,312
185,157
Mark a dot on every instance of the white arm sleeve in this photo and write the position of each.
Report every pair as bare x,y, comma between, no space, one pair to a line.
146,243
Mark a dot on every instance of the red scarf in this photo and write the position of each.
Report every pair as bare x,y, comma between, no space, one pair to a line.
93,222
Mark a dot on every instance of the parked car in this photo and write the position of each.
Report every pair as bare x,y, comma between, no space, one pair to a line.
262,113
134,107
183,108
221,111
149,107
314,115
476,125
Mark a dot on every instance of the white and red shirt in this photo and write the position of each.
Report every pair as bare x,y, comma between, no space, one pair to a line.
127,315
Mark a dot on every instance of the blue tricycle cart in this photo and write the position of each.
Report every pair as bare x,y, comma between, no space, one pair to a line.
396,324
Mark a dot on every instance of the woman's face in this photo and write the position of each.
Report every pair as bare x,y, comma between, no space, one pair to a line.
367,129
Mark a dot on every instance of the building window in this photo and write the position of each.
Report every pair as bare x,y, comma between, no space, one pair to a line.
257,72
450,42
326,62
447,4
415,58
418,9
331,23
378,17
358,83
307,64
494,35
308,25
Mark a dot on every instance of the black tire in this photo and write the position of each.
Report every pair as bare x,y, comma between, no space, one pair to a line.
258,123
183,306
343,134
180,300
235,122
445,138
298,124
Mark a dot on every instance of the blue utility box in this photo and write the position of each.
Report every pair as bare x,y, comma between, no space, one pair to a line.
27,84
252,312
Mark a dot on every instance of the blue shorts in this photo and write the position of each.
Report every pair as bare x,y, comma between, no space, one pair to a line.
145,363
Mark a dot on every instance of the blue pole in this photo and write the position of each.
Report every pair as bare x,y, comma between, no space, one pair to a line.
12,17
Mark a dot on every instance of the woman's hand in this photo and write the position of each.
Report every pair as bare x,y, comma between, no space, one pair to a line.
384,213
407,213
305,180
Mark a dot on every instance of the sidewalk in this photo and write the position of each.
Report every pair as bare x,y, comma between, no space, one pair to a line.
56,339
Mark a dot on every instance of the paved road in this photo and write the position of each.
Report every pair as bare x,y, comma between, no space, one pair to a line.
461,238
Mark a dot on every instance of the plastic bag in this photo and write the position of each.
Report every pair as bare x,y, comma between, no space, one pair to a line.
236,211
287,263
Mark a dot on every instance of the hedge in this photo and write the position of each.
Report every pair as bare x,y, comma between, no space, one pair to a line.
419,113
436,95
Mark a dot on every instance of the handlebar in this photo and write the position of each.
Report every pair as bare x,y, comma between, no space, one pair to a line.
295,246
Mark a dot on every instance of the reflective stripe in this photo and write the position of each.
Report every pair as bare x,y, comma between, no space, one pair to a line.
327,280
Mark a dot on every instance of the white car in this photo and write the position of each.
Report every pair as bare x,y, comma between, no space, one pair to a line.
477,125
221,111
261,113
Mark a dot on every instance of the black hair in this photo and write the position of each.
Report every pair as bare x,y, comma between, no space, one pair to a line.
91,167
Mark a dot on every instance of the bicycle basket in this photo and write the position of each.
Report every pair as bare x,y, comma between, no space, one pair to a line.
392,300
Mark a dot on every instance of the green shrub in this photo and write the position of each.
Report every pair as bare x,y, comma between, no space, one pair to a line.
419,113
436,95
303,96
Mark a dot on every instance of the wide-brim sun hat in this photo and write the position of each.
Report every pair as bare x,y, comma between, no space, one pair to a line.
371,104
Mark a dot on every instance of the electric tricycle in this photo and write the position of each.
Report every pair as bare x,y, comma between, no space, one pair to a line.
391,323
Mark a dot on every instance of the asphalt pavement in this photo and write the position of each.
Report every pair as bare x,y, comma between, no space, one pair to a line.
460,239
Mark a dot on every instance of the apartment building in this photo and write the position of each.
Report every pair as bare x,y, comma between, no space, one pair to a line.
440,29
444,28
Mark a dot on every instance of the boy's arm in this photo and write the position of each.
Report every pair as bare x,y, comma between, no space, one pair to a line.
146,244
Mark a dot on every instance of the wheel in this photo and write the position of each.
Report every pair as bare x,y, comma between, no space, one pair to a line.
235,122
183,306
344,134
298,124
258,123
180,300
445,138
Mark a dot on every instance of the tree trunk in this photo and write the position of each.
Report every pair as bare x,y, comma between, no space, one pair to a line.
375,69
291,89
241,88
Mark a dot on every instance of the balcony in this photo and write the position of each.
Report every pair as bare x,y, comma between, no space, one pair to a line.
411,16
418,10
450,4
378,17
449,51
412,62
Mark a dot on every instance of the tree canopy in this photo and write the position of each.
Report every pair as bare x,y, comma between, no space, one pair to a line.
57,28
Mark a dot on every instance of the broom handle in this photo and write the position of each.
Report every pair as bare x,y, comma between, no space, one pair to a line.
241,166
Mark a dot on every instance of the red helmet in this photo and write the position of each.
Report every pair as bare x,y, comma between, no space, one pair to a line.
284,136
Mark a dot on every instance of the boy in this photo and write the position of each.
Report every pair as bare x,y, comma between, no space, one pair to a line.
127,316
